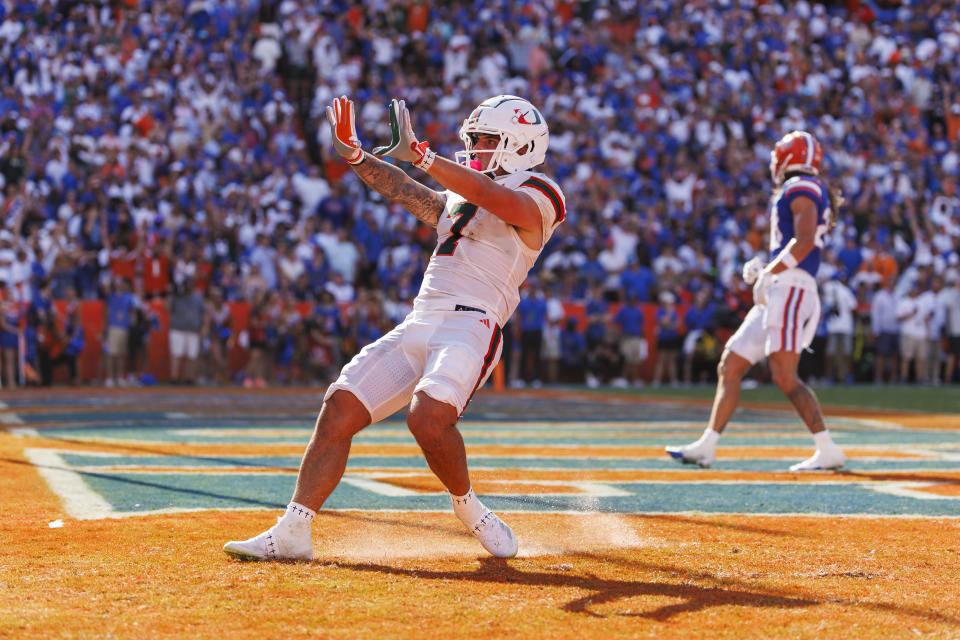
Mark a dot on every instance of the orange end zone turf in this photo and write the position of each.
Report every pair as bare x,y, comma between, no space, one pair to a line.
410,574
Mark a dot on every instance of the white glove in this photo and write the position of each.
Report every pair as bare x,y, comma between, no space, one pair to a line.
752,269
761,287
404,144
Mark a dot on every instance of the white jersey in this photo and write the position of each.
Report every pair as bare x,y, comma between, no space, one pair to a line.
480,260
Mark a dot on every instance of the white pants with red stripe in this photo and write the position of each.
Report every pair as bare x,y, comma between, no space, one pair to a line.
787,322
446,354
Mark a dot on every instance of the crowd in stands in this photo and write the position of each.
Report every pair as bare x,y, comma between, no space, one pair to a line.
176,151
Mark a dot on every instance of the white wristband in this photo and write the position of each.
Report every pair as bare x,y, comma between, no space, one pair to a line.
788,259
426,161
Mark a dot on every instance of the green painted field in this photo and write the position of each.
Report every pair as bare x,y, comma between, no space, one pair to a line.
887,398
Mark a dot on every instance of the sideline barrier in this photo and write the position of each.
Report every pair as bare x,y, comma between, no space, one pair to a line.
158,350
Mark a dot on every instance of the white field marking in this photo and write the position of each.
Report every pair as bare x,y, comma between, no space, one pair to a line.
24,432
871,423
910,490
380,488
233,432
566,512
573,512
176,415
879,448
699,514
367,483
521,512
591,488
194,470
548,435
9,417
939,452
79,500
596,489
116,515
370,480
588,489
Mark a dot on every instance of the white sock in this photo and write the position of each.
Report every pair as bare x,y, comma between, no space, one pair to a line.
297,519
709,438
823,441
468,508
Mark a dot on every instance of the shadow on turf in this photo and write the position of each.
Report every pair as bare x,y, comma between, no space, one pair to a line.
604,590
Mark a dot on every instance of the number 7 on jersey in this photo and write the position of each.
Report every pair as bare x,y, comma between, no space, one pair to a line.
464,213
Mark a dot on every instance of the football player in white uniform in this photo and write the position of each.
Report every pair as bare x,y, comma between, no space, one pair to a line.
492,221
786,303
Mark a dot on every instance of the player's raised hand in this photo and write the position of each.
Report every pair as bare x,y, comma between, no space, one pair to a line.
404,144
343,126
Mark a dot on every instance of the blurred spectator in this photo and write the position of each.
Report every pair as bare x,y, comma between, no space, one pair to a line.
937,303
605,361
142,323
597,314
839,305
573,352
321,364
257,341
60,341
219,332
951,300
288,340
637,281
156,272
633,346
118,316
531,315
191,137
850,256
885,328
913,316
699,343
188,311
668,340
341,290
551,335
9,338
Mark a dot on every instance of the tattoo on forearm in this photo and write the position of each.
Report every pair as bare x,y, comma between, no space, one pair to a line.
807,406
392,183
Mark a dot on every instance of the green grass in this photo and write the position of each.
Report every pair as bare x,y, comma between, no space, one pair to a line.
896,398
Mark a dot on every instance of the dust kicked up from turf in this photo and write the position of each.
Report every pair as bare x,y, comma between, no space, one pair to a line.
396,536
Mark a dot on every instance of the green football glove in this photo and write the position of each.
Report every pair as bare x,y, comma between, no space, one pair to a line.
404,144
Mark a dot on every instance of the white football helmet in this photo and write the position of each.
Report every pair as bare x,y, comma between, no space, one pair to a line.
519,125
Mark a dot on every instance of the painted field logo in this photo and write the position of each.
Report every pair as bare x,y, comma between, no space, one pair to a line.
569,461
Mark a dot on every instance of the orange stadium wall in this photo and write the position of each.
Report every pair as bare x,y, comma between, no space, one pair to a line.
158,350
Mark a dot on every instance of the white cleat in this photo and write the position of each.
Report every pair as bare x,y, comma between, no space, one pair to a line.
495,536
271,545
695,453
821,461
